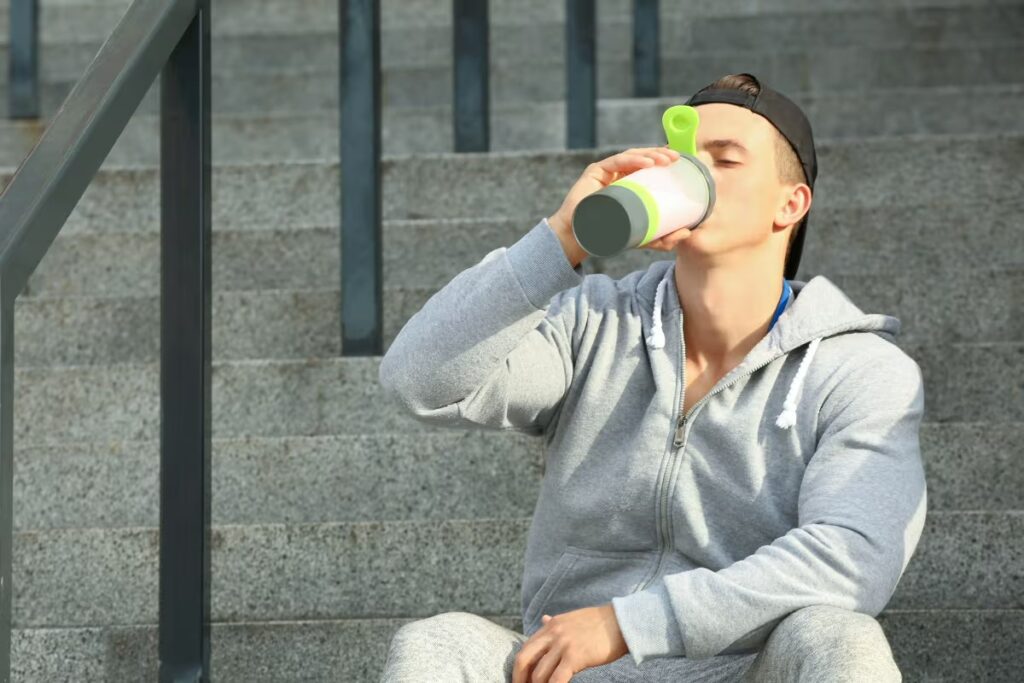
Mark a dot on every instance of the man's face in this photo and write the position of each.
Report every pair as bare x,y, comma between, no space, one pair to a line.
749,198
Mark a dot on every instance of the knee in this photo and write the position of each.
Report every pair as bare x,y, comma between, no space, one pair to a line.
826,628
435,632
451,646
828,643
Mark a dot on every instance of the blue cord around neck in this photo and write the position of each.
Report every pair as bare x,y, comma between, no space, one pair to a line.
787,292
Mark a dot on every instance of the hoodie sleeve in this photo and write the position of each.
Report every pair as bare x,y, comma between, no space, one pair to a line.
492,347
861,511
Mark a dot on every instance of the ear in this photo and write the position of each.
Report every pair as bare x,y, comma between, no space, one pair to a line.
794,204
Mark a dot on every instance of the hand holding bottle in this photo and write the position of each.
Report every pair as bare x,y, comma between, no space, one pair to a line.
599,175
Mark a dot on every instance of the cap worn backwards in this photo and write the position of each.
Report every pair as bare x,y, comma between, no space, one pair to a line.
789,120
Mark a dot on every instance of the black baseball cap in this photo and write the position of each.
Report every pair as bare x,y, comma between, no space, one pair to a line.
789,120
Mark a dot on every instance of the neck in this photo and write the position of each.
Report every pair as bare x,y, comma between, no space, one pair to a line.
727,311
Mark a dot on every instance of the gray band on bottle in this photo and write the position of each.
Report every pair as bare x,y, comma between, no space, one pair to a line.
609,221
710,183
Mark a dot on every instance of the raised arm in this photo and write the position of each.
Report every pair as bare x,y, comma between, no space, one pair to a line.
492,347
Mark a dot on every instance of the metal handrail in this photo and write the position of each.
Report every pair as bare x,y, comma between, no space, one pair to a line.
170,39
23,59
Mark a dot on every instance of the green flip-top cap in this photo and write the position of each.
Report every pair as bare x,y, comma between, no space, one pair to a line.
680,123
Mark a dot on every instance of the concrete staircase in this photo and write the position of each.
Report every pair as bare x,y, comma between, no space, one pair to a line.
337,517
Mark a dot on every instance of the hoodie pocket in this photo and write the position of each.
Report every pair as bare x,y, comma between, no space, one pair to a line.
583,577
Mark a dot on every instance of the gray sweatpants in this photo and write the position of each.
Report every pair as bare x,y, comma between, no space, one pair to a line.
820,643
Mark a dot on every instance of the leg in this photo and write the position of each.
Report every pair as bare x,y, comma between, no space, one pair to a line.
717,669
825,644
453,647
461,646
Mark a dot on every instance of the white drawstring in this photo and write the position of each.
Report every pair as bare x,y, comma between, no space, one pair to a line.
787,418
656,339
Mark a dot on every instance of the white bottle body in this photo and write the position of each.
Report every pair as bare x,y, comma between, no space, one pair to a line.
682,192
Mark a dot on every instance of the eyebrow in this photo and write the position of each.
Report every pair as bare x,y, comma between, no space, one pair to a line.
725,143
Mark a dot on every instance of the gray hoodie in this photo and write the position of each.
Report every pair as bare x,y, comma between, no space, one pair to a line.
796,480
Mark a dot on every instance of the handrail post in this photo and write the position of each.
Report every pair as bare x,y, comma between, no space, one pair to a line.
581,85
646,52
185,362
23,60
471,77
360,176
6,473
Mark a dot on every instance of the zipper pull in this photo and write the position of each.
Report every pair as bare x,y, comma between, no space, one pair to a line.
680,431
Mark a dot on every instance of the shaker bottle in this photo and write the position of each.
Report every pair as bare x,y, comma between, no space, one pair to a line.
650,202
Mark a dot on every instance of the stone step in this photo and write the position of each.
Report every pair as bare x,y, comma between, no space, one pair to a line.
905,171
814,71
282,324
418,46
83,577
319,479
620,122
65,21
918,240
928,645
310,397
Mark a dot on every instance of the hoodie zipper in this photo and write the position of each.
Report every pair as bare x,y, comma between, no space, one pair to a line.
679,446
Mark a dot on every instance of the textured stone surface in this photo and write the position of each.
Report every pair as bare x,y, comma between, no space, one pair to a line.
66,20
510,44
919,171
293,480
886,242
963,382
81,577
283,324
408,475
624,123
807,71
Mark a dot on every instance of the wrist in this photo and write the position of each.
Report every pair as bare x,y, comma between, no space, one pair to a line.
573,251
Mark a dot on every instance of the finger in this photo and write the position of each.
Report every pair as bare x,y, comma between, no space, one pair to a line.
659,148
631,158
531,651
632,161
663,151
660,153
669,241
546,666
563,674
678,236
625,162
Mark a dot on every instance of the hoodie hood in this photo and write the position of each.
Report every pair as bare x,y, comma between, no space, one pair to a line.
817,309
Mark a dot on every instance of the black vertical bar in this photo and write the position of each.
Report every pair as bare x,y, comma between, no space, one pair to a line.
646,54
361,287
581,100
23,64
472,71
6,473
185,391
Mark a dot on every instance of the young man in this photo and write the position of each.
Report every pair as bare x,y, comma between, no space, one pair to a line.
733,482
